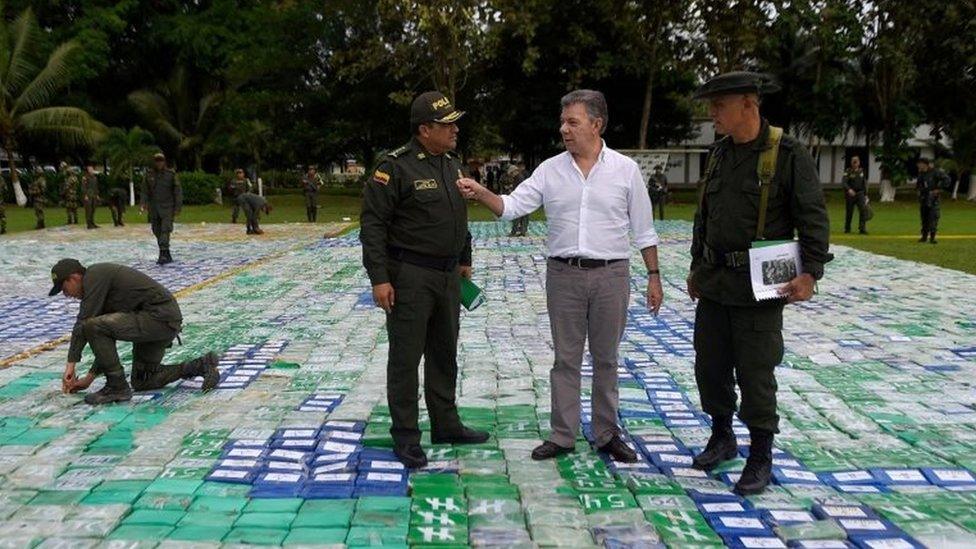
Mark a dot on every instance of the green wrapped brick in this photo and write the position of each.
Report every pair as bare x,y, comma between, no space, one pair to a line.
199,533
316,536
276,521
154,517
256,536
607,501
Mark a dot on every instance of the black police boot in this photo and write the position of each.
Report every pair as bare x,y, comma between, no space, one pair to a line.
721,445
161,260
116,389
932,239
464,436
925,236
164,257
205,367
759,466
412,456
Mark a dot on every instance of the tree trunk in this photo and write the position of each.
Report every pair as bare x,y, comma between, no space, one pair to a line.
14,177
132,187
645,123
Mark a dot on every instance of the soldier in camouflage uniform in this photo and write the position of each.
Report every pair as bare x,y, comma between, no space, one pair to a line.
235,188
69,193
38,190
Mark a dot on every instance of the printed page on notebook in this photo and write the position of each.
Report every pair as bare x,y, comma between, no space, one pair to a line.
772,267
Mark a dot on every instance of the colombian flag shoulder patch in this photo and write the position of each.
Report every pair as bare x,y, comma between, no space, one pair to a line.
381,177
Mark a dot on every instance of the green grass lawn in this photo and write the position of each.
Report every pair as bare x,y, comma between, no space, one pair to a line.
894,229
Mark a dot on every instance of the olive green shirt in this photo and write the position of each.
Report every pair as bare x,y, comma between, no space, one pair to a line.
728,214
111,288
162,192
412,202
89,187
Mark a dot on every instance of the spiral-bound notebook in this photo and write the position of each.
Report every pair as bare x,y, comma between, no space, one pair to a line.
771,266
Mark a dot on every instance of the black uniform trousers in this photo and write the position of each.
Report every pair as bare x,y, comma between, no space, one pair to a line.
930,211
161,221
739,345
150,338
851,202
90,212
424,324
311,207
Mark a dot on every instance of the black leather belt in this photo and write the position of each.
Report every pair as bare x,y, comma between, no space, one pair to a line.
732,260
422,260
584,263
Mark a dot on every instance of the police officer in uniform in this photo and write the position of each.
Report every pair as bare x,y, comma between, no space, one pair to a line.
89,195
855,196
311,183
416,246
38,194
119,303
162,196
738,339
69,193
930,184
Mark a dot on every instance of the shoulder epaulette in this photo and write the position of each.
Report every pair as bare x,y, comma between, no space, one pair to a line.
398,152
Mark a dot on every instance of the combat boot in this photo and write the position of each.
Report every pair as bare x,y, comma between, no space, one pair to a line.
721,445
116,389
759,466
932,239
205,367
925,236
164,257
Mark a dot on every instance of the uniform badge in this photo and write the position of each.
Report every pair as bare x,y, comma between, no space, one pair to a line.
381,177
425,184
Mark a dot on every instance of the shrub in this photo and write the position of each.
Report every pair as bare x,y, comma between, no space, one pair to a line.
199,187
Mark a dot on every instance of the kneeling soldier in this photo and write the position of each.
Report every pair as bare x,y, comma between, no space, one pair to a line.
119,303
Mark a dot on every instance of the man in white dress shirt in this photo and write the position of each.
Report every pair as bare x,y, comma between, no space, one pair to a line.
593,197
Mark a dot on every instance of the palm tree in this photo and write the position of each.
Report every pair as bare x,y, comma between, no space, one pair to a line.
125,150
28,84
185,110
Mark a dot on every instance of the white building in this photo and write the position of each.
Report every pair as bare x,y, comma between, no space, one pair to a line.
686,161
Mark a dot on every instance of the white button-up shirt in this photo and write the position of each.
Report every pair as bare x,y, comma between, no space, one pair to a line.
591,216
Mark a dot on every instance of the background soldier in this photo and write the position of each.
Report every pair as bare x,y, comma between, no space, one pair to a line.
89,195
38,191
69,193
163,197
3,205
117,200
119,303
658,187
855,195
311,183
738,339
415,245
237,186
930,184
253,205
514,175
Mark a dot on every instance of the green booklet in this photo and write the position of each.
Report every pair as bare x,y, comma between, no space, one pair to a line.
471,295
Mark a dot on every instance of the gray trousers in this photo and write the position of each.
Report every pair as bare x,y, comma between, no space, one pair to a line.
586,304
